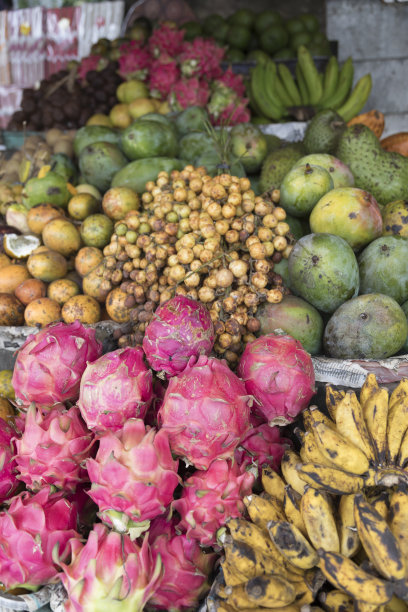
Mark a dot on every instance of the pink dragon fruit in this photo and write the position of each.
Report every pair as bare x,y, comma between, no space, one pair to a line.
233,81
50,364
186,567
279,373
181,328
225,106
133,476
166,39
8,473
201,58
162,78
110,572
189,92
206,412
35,531
211,497
234,114
262,445
134,61
51,449
114,388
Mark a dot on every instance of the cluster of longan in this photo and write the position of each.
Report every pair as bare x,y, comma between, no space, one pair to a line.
209,238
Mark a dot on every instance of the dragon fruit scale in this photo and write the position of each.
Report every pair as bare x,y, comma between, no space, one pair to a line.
8,472
206,412
279,373
50,364
263,445
109,573
35,531
52,448
114,388
181,328
211,497
133,476
186,567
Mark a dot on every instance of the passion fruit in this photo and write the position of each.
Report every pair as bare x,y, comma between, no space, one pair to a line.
116,306
118,201
62,236
30,289
11,310
40,215
96,231
20,247
42,312
7,412
47,266
83,308
6,388
12,276
4,260
62,289
82,205
87,259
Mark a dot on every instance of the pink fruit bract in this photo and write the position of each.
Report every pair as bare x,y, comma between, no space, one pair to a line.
110,573
181,328
263,445
279,373
35,531
206,412
211,497
186,567
133,476
114,388
50,364
8,472
51,449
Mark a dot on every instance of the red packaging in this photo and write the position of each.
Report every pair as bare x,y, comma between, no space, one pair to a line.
62,37
26,46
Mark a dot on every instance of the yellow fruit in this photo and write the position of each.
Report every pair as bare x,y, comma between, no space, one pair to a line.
62,236
82,205
141,107
30,289
7,412
85,188
100,119
4,260
131,90
6,388
47,265
120,116
116,306
82,307
12,276
39,216
62,289
11,310
42,312
87,259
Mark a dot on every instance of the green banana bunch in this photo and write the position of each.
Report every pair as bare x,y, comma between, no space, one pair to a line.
274,92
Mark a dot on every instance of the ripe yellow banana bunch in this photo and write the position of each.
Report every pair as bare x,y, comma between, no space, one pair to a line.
256,575
364,444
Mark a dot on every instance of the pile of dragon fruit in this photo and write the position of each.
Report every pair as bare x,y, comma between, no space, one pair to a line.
183,73
121,467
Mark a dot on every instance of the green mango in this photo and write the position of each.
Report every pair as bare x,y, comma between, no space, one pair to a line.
148,139
192,145
89,134
51,189
136,174
99,162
